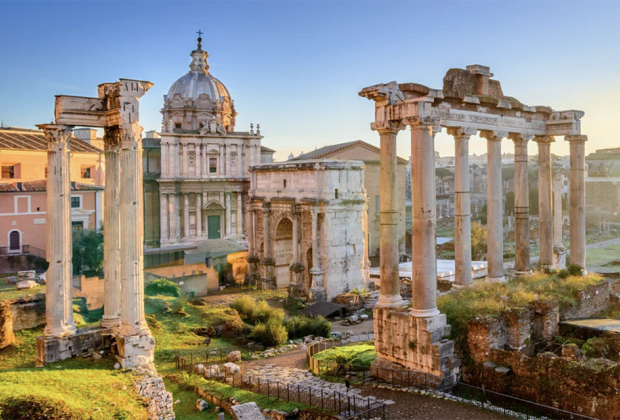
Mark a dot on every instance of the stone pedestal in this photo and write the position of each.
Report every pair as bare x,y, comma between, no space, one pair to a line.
317,292
52,350
405,343
269,278
559,257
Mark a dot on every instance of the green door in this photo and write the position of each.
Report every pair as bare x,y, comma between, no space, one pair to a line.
214,227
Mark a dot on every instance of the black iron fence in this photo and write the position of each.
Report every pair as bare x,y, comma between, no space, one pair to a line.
347,405
509,405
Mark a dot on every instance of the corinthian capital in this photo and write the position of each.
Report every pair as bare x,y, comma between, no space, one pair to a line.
520,138
57,136
544,139
576,138
387,127
493,135
461,132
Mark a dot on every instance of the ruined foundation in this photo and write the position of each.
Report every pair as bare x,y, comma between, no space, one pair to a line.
408,343
51,350
135,350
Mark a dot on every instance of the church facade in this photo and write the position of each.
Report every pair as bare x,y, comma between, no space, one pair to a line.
203,163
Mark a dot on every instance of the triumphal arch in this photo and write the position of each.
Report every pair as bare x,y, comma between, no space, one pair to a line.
469,103
116,110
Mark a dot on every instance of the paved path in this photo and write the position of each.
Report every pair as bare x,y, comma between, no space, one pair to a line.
407,406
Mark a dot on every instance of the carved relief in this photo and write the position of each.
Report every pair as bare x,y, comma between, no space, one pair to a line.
191,158
233,159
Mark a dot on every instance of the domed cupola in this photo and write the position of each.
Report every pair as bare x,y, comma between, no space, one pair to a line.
198,102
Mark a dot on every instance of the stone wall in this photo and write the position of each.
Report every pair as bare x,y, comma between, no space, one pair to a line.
591,300
7,337
28,312
150,387
195,278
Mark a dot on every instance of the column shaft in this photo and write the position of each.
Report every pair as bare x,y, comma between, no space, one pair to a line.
388,246
164,160
59,291
557,209
185,164
424,264
522,207
228,213
577,200
112,232
239,212
462,228
295,235
545,204
198,163
186,215
198,215
495,234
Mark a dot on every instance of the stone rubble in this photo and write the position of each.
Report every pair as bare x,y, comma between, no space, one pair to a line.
150,387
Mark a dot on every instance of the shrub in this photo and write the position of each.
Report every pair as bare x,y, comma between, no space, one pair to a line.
245,305
301,326
574,270
162,286
233,326
255,312
270,334
563,274
179,306
36,407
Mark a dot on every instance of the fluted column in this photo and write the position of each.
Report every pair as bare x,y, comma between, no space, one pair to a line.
522,206
495,234
112,232
577,200
388,218
185,215
239,231
424,263
559,252
198,215
462,228
59,291
133,321
545,204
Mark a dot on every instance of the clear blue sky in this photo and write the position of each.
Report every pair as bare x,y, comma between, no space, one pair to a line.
296,67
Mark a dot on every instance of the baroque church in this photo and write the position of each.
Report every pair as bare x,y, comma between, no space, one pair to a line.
196,177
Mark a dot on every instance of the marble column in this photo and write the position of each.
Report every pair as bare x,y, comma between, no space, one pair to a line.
205,202
462,204
185,215
559,252
239,231
388,217
198,215
173,215
164,217
59,290
268,263
112,232
545,205
174,159
198,163
220,163
424,263
135,343
365,259
577,200
227,160
522,206
495,231
228,213
317,292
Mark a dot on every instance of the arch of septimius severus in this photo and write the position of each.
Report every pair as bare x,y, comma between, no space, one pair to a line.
470,102
116,110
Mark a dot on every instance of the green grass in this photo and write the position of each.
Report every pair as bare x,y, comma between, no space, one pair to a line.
88,389
484,299
186,409
358,354
598,257
8,291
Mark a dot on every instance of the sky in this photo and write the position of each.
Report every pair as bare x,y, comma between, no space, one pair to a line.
296,67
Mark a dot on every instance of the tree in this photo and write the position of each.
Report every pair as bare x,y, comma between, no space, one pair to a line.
87,250
478,241
510,202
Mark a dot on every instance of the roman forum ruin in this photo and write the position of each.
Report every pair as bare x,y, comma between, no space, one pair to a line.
469,102
116,110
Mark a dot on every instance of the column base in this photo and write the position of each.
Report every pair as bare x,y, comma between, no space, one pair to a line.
460,286
425,313
390,301
523,273
135,350
112,322
559,257
52,350
495,279
60,331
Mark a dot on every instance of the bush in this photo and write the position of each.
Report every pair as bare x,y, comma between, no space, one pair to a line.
245,305
301,326
574,270
563,274
271,334
254,312
233,326
178,308
162,286
36,407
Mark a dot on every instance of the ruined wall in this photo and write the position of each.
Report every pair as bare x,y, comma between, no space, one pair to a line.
590,301
151,388
28,312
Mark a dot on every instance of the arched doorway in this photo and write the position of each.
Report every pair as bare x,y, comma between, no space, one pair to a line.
214,220
283,251
14,241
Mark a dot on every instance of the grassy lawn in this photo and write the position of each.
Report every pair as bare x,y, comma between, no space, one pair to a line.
358,354
598,257
186,409
8,291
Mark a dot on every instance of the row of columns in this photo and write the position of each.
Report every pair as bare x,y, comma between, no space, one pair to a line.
175,159
170,215
424,207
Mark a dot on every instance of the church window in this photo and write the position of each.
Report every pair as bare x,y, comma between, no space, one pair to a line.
212,165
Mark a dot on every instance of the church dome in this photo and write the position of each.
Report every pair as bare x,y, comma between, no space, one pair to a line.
195,83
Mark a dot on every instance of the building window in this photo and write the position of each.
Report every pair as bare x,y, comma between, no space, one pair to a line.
177,125
285,183
77,227
75,202
86,172
212,165
8,171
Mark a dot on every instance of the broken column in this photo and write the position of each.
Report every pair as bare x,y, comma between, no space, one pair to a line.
545,224
134,340
495,235
522,206
112,233
390,280
577,200
559,252
462,204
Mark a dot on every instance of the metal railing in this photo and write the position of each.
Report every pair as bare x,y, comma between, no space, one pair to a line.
216,354
347,405
22,250
508,405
